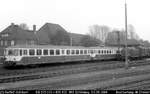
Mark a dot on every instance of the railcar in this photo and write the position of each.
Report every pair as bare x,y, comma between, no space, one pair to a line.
135,53
38,54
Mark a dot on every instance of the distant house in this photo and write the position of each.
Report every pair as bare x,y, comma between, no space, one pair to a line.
49,31
14,35
76,38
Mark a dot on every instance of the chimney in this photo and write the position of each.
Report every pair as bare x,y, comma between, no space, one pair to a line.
34,28
12,24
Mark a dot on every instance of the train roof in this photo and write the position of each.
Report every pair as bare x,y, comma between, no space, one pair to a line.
58,46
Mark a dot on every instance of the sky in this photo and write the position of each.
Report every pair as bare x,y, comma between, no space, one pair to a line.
77,15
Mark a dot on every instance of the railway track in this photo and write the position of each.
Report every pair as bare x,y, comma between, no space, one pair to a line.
66,71
90,80
5,72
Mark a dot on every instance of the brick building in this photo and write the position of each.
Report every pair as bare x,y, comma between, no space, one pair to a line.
14,35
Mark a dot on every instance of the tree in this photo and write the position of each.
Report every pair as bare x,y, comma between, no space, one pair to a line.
131,33
99,32
88,41
113,36
24,26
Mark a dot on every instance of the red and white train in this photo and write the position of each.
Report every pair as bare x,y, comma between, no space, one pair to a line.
38,54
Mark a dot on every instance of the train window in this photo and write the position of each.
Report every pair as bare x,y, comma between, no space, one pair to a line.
68,52
91,51
39,52
77,52
31,52
57,52
72,52
81,52
63,52
51,52
20,52
99,51
85,52
45,52
102,51
107,51
24,52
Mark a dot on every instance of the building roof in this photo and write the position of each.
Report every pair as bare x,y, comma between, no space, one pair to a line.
47,31
14,32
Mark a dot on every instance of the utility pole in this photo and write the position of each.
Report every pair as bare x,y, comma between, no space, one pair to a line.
126,34
118,40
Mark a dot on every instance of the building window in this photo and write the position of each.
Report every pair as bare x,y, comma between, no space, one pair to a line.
4,35
5,43
12,42
1,42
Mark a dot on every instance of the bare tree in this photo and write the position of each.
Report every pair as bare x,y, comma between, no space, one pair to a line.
99,32
24,26
131,32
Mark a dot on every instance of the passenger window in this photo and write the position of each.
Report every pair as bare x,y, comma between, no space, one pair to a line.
31,52
20,52
45,52
99,51
68,52
57,52
62,51
24,52
85,52
38,52
72,52
51,52
77,52
92,51
102,51
81,52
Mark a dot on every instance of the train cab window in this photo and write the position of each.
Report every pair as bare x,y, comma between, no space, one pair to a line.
72,52
81,52
51,52
12,52
68,52
20,52
31,52
45,52
38,52
57,52
77,52
25,52
85,52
